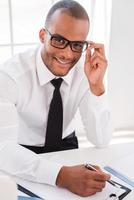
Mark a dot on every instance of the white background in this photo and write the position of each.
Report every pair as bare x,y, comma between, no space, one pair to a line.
121,66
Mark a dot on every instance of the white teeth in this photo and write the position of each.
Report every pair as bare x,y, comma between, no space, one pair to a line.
62,61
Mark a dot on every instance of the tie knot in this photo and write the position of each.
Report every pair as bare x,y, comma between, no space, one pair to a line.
57,82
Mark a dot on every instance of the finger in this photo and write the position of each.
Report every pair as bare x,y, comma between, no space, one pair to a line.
95,184
93,188
96,175
91,176
98,47
97,54
102,177
88,56
98,62
97,167
99,184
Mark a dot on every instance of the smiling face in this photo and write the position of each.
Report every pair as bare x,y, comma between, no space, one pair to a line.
60,61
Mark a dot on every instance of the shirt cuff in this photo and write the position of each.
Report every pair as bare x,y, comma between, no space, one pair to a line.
99,103
48,171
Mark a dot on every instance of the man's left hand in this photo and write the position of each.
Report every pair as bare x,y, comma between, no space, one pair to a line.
95,67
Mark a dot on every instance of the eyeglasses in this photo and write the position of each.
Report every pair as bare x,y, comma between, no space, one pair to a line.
60,42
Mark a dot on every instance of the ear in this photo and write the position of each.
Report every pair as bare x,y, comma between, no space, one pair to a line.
42,35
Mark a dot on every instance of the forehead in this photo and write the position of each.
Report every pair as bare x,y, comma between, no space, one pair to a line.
68,26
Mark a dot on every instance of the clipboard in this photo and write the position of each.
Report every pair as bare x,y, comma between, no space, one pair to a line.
30,194
121,195
110,192
123,190
27,198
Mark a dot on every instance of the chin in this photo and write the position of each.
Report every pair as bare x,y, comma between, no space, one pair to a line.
57,73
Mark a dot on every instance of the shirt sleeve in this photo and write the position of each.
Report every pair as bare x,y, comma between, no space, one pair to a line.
23,163
96,118
15,159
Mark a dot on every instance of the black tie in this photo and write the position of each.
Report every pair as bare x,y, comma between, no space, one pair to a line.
55,119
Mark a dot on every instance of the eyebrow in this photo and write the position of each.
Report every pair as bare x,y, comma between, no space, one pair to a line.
56,34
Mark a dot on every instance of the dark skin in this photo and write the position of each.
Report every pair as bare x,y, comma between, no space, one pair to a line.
82,181
76,179
52,56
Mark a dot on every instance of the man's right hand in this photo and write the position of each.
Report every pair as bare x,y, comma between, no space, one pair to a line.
82,181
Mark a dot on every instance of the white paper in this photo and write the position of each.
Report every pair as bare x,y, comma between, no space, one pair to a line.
49,192
123,165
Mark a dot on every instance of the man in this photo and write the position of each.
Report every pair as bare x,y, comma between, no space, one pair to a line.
30,82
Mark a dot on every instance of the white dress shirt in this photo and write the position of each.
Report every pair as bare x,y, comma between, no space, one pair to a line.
25,96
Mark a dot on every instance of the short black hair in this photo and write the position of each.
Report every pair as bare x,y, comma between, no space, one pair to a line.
69,7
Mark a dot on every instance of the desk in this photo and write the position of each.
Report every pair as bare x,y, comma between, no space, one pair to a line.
105,156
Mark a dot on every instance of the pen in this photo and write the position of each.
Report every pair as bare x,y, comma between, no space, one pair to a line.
90,167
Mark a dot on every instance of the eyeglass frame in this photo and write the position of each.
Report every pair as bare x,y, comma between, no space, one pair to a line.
70,43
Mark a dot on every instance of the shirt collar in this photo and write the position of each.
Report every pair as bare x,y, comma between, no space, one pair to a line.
45,76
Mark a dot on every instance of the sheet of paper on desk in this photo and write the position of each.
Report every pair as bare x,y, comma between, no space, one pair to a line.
123,165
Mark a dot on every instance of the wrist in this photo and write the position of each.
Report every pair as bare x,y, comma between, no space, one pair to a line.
97,90
62,176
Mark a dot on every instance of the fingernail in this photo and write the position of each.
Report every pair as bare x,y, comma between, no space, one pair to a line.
90,42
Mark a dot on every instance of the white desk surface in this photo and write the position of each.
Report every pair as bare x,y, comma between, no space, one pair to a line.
102,157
